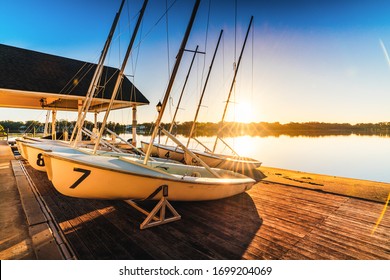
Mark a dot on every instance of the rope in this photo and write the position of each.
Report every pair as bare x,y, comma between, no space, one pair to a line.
253,39
205,44
71,81
157,22
235,57
235,33
167,31
134,64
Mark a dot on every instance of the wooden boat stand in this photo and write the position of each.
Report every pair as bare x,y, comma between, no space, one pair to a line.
153,219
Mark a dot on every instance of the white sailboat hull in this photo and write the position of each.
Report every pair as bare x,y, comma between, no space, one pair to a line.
35,157
145,146
21,149
165,151
34,152
234,163
170,152
99,177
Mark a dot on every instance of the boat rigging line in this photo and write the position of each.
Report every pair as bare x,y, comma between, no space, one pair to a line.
182,91
120,76
95,80
172,79
232,85
204,89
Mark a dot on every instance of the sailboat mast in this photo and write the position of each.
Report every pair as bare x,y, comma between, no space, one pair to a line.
96,78
120,75
172,79
182,91
233,82
203,91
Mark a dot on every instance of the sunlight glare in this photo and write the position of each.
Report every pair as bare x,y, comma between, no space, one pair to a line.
243,145
243,112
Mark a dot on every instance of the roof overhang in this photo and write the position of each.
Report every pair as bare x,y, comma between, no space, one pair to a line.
35,80
61,102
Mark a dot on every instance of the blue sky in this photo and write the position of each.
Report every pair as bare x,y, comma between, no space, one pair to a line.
304,60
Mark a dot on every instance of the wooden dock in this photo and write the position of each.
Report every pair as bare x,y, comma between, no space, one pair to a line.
274,220
271,221
15,241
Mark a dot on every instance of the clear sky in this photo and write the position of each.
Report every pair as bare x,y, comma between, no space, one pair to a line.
304,60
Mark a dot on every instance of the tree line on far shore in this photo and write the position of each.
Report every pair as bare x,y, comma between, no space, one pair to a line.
61,125
228,129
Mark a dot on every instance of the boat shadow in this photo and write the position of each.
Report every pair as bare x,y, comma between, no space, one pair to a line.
220,229
255,174
101,229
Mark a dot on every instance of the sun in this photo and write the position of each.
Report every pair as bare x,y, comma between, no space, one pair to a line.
243,112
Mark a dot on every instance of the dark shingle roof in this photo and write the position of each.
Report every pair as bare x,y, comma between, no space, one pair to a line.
32,71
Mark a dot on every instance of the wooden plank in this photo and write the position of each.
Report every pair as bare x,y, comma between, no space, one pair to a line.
379,233
78,245
161,244
366,212
216,229
285,239
317,251
267,248
290,213
356,228
299,202
315,195
355,242
301,253
334,242
294,255
127,221
106,211
101,230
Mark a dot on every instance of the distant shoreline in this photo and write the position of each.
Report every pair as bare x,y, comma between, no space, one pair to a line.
227,129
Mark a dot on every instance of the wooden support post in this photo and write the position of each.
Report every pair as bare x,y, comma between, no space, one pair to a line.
46,129
152,218
65,135
125,142
95,129
134,126
79,113
53,124
95,120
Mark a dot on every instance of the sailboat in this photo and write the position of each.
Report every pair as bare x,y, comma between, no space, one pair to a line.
122,178
234,162
102,177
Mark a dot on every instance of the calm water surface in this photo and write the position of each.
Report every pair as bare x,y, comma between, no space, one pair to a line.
353,156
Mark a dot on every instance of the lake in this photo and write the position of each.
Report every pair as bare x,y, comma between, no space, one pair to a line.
353,156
